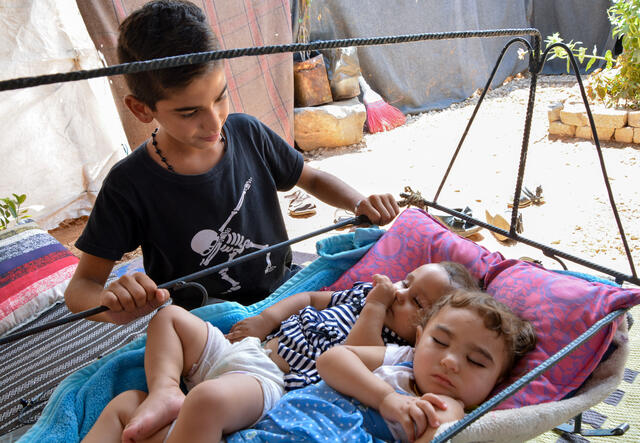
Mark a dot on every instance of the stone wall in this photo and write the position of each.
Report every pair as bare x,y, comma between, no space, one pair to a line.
571,120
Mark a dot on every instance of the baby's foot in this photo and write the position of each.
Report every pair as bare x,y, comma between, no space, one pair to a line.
159,409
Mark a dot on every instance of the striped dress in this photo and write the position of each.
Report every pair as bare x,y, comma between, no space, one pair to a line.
304,336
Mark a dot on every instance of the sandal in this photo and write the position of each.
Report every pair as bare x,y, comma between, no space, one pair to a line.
294,195
461,227
302,206
530,197
536,197
342,215
499,221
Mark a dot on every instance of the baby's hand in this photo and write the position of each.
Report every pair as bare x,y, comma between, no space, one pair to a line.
255,326
414,414
379,208
383,291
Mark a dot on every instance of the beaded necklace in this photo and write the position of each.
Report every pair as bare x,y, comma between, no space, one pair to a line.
161,155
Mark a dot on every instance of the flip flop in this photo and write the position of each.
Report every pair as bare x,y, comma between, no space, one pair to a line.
499,221
342,215
461,227
294,195
529,197
525,201
536,197
302,206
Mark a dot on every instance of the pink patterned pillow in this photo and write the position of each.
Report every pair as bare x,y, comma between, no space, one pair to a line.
416,238
561,307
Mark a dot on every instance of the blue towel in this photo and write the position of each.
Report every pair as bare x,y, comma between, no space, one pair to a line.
77,402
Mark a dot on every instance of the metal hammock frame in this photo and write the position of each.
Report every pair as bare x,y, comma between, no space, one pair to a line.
536,63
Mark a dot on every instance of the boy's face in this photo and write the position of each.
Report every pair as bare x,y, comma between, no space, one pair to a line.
419,290
456,355
192,117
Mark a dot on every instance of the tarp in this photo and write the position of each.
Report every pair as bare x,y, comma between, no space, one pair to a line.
59,140
419,76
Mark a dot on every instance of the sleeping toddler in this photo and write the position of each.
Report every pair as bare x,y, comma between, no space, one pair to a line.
466,344
233,381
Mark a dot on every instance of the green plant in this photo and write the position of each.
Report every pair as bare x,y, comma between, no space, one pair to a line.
10,210
618,83
579,52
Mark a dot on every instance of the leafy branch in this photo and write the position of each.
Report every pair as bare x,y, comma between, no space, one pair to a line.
10,210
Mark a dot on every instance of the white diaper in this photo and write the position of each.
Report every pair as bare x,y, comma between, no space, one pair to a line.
247,356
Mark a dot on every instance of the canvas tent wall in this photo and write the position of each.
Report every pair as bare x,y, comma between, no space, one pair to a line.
416,77
60,140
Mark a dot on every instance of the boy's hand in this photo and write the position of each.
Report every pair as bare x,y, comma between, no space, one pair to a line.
414,414
379,208
383,291
256,326
132,296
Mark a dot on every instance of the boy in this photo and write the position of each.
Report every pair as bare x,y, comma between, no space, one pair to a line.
240,382
465,345
203,191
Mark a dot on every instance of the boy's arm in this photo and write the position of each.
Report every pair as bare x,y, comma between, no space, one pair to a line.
270,319
379,208
453,412
367,330
129,297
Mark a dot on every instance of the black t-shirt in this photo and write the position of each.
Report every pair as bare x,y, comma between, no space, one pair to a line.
187,223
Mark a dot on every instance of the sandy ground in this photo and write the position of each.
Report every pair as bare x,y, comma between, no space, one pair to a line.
576,217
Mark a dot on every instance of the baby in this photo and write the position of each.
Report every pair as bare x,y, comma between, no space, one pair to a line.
231,383
466,345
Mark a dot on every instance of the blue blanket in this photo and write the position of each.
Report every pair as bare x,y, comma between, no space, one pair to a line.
78,400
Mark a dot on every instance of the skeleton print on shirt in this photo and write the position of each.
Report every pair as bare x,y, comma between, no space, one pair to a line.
208,243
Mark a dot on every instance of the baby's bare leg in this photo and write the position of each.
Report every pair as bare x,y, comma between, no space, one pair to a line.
175,341
114,417
218,407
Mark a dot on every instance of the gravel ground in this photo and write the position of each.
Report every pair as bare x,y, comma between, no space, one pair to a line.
576,217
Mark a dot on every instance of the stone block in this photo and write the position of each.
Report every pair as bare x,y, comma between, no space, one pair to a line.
331,125
604,134
609,118
574,115
559,128
636,135
624,135
553,111
633,119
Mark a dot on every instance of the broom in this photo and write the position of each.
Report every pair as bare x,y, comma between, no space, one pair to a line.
381,116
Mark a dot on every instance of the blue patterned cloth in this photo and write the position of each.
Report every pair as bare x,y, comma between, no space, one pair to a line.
314,414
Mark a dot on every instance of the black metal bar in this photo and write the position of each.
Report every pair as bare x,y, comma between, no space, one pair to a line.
522,381
547,250
203,57
596,140
477,107
361,219
576,428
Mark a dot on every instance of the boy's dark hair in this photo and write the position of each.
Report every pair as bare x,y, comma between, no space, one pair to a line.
459,276
518,334
164,28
